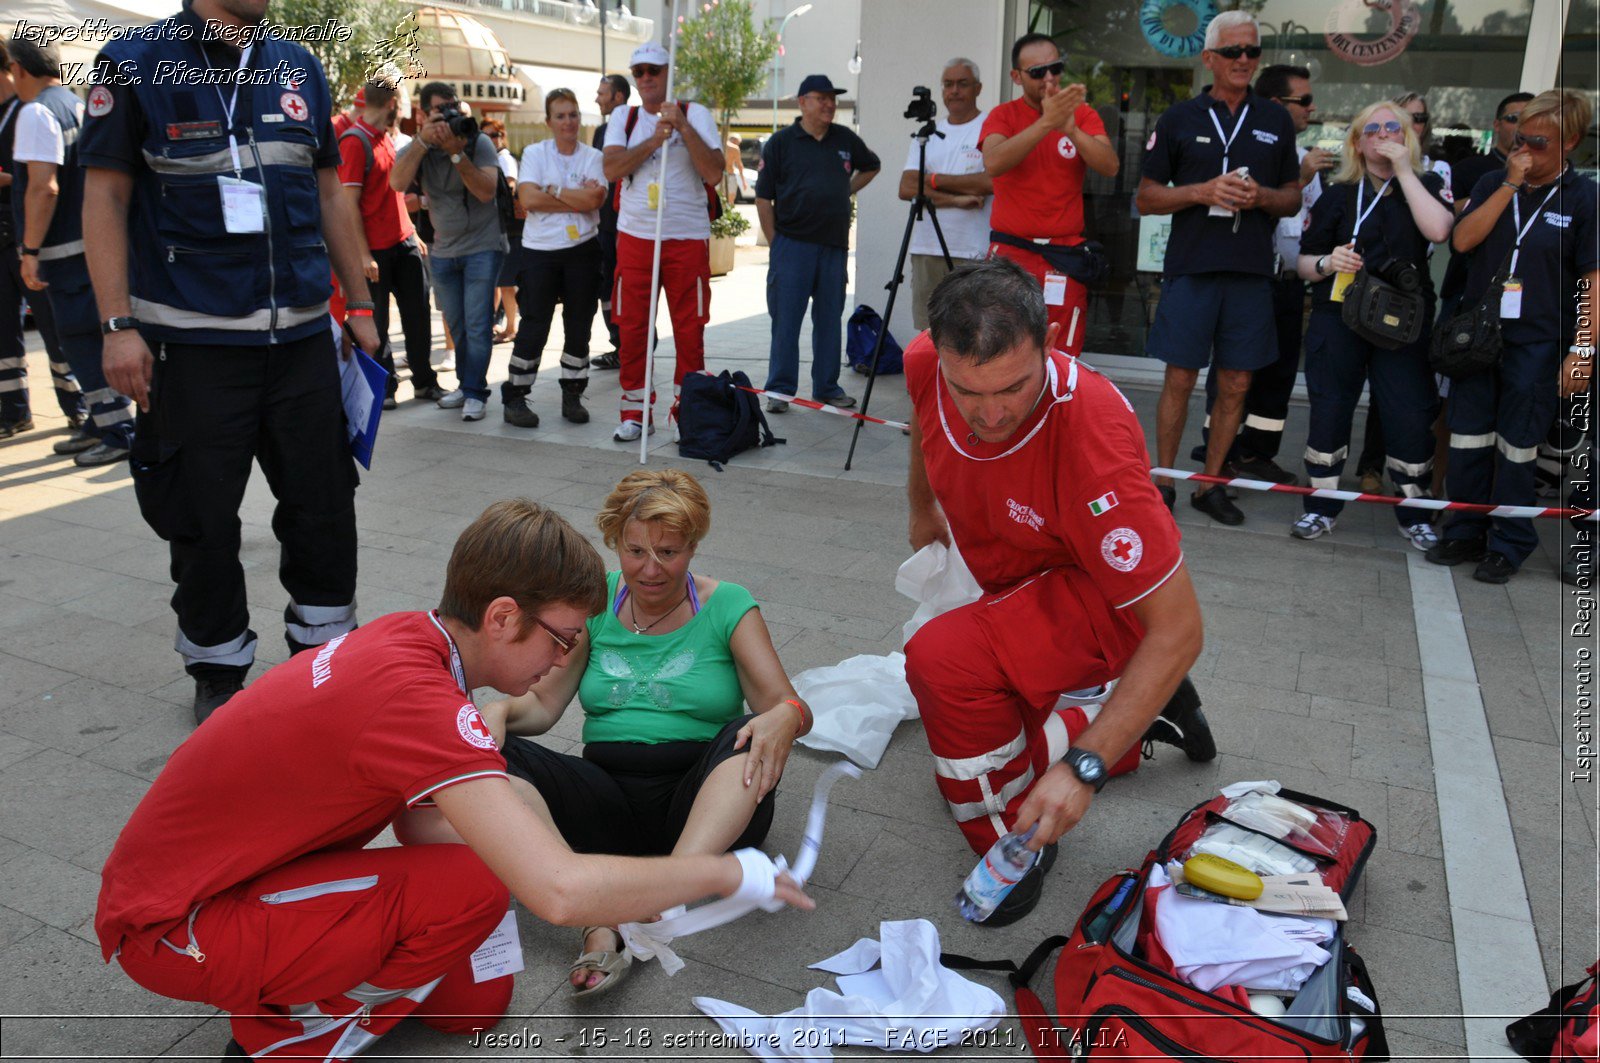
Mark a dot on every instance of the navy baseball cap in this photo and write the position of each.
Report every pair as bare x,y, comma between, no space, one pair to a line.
818,83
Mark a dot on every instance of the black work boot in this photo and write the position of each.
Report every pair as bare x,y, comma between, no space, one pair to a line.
572,401
1182,724
213,686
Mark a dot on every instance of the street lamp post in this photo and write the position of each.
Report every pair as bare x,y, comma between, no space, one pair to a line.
777,60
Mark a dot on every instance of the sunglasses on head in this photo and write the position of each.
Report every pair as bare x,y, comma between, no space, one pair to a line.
564,644
646,70
1234,51
1372,129
1301,101
1536,143
1420,118
1045,69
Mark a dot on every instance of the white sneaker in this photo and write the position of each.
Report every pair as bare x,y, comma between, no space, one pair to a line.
1420,535
628,432
1312,526
452,400
677,436
447,364
472,410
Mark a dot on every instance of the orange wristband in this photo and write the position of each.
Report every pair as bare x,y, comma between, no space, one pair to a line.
933,181
358,313
806,719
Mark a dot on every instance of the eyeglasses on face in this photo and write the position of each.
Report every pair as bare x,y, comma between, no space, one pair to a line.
1510,119
1234,51
564,644
1536,143
1045,69
1372,129
646,70
1419,117
1301,101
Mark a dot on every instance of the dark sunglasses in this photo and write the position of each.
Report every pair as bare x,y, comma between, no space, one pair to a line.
646,69
564,644
1234,51
1302,101
1510,119
1372,129
1420,119
1536,143
1043,69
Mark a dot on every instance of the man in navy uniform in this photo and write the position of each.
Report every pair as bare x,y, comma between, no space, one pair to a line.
1224,165
212,207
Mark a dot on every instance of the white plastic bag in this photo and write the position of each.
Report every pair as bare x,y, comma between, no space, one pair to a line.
857,704
938,580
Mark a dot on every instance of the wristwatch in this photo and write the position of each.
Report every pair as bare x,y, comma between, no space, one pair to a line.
34,251
118,324
1322,266
1586,352
455,158
1087,766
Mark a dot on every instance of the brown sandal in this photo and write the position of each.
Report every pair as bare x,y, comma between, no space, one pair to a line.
613,965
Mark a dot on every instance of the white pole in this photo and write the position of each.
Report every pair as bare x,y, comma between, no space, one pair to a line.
655,261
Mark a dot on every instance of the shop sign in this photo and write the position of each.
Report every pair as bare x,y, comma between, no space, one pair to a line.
506,93
1405,18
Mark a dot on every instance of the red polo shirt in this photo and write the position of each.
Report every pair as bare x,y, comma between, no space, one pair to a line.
383,210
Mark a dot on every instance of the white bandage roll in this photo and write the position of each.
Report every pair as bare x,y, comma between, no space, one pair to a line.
760,877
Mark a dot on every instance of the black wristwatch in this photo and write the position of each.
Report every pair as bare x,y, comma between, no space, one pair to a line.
118,324
1087,766
34,251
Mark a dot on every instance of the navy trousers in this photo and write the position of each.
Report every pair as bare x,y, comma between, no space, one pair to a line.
14,406
798,272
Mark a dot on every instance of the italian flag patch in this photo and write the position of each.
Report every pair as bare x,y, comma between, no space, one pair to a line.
1105,502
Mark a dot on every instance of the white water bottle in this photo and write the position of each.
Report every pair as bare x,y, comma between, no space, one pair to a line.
1001,868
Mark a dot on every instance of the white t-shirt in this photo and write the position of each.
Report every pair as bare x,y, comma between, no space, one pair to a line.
685,217
966,232
543,164
507,163
1286,239
38,137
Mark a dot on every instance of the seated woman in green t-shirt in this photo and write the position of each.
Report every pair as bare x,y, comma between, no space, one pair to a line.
671,763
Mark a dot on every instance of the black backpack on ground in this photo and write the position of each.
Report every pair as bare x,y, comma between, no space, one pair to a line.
717,420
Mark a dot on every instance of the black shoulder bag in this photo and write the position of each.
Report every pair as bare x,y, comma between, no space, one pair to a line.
1380,311
1469,343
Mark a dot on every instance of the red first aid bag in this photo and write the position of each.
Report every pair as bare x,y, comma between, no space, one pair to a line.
1565,1030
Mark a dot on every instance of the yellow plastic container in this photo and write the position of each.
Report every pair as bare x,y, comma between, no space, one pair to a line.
1222,877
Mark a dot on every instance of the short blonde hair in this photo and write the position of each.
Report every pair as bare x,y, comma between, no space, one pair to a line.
1567,111
1353,164
668,498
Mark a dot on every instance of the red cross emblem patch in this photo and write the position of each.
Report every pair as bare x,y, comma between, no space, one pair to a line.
294,106
476,733
1122,549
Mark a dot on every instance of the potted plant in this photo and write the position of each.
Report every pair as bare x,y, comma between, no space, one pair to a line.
724,231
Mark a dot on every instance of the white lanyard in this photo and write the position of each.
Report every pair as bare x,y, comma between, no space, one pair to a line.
229,104
1362,215
1228,139
1522,230
456,669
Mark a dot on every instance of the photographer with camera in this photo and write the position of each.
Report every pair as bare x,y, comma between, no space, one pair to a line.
809,171
954,181
459,172
1377,218
1038,149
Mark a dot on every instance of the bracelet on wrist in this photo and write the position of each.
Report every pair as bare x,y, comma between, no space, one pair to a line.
358,312
360,304
806,719
1581,350
1513,187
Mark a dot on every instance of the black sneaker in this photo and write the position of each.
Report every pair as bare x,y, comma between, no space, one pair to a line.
12,428
1024,896
609,360
1578,568
101,454
516,412
390,402
212,689
79,441
1169,496
1215,505
1182,724
1264,469
1496,568
432,393
1455,551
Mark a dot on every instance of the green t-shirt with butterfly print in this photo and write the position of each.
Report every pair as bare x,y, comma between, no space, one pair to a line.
678,687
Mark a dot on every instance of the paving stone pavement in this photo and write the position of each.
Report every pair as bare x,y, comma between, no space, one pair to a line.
1311,675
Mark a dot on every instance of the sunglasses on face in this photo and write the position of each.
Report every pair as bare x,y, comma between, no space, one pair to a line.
1045,69
1509,119
1536,143
646,70
1372,129
1420,118
1300,101
564,644
1234,51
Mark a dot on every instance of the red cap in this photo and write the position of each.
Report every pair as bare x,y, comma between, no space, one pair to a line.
361,97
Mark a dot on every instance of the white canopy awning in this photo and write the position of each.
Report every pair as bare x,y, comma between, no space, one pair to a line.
542,79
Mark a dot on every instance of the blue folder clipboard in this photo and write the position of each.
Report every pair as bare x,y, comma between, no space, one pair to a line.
362,383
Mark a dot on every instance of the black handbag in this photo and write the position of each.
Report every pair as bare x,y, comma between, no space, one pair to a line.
1381,313
1469,343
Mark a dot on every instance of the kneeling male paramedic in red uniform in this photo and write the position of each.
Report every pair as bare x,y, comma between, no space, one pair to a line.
242,880
1036,466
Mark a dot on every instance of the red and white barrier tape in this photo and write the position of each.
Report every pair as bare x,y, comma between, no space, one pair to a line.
812,404
1386,500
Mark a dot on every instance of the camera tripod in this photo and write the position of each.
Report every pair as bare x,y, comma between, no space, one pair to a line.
919,205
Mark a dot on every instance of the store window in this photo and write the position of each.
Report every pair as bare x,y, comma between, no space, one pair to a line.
1137,59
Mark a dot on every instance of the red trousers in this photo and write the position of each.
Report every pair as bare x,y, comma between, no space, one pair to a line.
686,280
1072,313
325,954
987,678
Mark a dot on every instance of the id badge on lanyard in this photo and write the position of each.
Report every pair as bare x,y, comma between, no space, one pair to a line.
1511,291
244,203
1227,145
1342,280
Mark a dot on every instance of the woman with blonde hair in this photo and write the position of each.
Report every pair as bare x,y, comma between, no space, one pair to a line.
672,762
1531,226
1379,214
